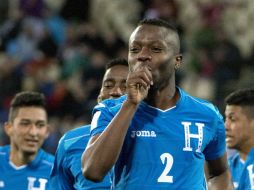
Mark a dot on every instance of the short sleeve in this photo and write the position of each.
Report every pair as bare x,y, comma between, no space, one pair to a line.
101,118
217,147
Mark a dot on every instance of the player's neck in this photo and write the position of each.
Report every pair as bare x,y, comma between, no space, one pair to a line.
164,99
19,158
245,151
243,155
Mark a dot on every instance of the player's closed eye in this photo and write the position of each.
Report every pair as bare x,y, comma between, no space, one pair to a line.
156,49
25,123
108,85
29,123
231,118
134,49
40,124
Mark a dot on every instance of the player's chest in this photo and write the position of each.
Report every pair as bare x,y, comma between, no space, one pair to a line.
163,134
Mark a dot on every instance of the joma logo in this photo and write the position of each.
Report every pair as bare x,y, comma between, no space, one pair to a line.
143,134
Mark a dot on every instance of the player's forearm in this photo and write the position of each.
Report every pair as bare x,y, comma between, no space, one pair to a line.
221,182
102,153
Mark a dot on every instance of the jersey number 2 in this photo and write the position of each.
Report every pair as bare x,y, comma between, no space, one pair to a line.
167,160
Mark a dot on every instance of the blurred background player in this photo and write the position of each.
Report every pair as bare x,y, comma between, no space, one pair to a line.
239,125
66,173
24,165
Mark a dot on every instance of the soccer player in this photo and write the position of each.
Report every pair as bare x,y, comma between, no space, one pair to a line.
239,124
157,136
66,173
24,165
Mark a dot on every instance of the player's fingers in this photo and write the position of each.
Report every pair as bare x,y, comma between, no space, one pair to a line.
148,75
144,71
138,82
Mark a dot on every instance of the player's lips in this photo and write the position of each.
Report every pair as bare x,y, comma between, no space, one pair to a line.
228,135
228,138
32,141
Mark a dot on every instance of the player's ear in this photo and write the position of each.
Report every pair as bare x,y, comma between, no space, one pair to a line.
8,128
178,61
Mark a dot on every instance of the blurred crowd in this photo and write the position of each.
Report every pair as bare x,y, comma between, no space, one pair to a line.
60,48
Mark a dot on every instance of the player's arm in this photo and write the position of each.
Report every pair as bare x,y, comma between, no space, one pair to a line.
218,174
103,150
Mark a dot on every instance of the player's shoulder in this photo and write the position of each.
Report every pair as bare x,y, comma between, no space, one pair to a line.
190,99
201,105
43,159
251,155
79,131
70,139
109,106
47,156
234,159
4,150
109,103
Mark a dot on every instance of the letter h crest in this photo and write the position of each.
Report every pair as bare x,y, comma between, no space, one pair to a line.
189,136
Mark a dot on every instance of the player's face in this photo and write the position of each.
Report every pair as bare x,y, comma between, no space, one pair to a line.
114,82
237,125
154,47
28,130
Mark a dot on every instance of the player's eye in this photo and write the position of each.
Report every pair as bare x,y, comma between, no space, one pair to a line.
25,123
108,85
156,49
40,124
134,49
231,118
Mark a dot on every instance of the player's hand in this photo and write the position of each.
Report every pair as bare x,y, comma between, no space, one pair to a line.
138,83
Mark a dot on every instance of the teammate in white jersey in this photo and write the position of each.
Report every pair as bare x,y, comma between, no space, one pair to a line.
23,164
158,136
